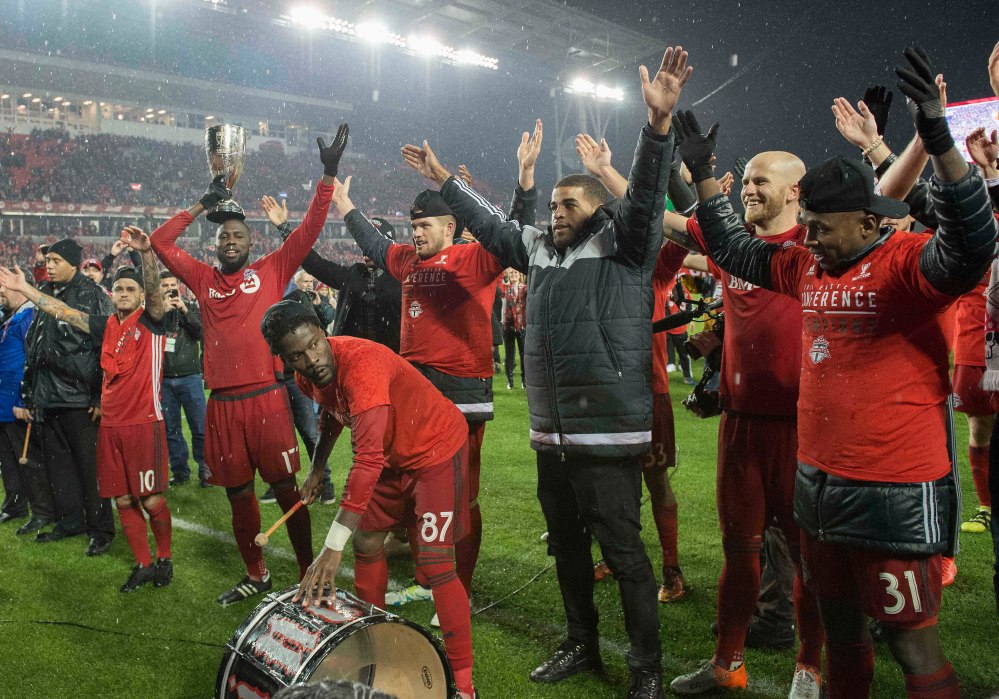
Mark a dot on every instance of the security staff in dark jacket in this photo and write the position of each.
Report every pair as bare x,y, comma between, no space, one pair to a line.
183,381
369,302
589,372
62,389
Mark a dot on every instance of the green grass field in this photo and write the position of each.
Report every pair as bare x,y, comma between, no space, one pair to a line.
66,631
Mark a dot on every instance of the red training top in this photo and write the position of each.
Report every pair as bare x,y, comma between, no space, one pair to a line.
668,263
874,364
969,326
396,416
761,357
447,306
232,305
132,362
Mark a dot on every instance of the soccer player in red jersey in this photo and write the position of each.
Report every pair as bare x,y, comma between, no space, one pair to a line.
248,426
410,468
132,463
448,291
874,492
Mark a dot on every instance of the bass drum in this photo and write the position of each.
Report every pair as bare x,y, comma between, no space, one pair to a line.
282,644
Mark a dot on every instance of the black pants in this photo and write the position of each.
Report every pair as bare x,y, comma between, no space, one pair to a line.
69,449
510,338
994,491
775,608
674,343
587,497
24,484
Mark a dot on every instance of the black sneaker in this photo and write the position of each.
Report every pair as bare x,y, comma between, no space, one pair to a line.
139,577
178,480
245,589
767,637
571,658
646,684
328,495
164,572
268,497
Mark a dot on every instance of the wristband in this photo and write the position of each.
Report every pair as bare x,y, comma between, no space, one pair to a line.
337,537
873,147
881,169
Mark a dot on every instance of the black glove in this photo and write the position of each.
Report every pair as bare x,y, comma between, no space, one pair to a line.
215,193
916,82
878,100
739,169
330,155
696,149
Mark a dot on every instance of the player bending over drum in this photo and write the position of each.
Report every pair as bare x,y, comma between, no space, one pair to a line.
410,468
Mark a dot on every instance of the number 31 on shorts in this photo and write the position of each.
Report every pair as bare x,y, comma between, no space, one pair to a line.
434,529
898,598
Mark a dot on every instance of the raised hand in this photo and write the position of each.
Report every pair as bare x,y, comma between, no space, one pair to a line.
696,149
276,213
465,175
983,149
215,193
878,99
330,155
859,128
928,95
725,182
13,280
118,247
994,69
425,162
662,92
341,196
135,238
530,147
595,156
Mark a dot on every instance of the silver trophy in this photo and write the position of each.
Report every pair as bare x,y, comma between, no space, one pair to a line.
225,147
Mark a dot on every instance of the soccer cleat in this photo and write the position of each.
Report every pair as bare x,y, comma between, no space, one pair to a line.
807,683
328,494
140,576
980,522
98,546
601,570
674,585
435,621
268,497
948,571
544,536
164,572
245,589
709,677
413,593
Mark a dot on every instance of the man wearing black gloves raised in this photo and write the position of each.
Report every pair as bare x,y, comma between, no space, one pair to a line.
874,494
589,373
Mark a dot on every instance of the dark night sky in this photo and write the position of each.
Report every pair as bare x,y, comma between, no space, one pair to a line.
793,59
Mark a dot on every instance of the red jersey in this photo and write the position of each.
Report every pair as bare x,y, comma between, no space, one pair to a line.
969,326
668,263
232,305
761,357
132,362
874,380
395,414
447,306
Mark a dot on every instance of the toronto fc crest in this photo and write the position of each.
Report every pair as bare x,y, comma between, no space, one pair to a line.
415,309
819,351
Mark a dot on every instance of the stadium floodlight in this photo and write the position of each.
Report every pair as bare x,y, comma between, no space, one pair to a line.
610,93
209,117
308,16
375,32
469,57
427,46
582,86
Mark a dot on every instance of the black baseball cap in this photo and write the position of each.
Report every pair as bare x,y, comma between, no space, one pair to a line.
842,184
428,204
128,273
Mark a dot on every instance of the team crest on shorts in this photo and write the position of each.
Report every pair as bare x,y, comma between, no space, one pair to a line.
956,400
819,351
415,309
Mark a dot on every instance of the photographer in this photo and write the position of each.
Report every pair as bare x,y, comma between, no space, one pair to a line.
183,383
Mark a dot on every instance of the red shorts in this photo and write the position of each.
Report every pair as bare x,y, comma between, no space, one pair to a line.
662,454
896,590
969,398
132,460
757,464
247,432
433,500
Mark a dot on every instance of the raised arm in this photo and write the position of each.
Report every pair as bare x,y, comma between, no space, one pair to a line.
14,280
164,238
524,205
326,271
136,239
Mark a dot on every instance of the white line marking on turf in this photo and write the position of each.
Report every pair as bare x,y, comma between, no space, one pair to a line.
607,645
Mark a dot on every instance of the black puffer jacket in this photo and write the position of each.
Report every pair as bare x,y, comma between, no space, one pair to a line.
588,343
62,367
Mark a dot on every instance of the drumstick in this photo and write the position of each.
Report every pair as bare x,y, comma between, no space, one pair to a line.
261,539
24,451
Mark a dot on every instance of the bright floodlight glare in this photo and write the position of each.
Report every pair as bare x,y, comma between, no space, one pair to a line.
426,46
610,93
582,86
375,32
308,16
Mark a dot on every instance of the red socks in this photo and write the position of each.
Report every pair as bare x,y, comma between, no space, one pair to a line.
245,526
978,457
161,524
467,550
134,526
810,629
299,527
665,519
371,577
738,589
941,684
849,669
453,613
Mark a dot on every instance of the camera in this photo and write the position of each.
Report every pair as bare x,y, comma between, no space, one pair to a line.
173,294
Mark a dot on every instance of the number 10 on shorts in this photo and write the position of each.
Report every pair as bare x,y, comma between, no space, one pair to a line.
430,532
